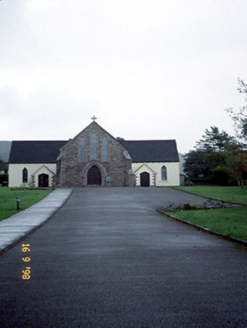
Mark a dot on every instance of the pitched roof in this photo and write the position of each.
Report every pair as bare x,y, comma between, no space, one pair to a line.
151,150
35,151
143,151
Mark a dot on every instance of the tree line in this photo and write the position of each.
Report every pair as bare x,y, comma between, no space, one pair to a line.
219,158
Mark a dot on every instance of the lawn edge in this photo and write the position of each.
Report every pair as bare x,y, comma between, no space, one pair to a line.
30,232
232,239
206,197
21,210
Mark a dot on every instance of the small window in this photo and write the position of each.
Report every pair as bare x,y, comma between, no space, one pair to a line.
82,150
163,173
93,146
104,153
24,175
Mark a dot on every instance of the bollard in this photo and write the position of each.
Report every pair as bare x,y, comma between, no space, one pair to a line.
18,203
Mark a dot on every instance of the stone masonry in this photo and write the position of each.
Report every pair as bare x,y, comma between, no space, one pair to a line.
73,172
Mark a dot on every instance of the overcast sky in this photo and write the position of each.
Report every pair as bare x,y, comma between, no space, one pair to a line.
158,69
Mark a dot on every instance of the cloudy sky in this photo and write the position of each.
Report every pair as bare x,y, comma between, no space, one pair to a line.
148,69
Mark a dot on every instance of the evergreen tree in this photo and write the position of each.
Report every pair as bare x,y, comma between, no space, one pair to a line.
209,160
213,140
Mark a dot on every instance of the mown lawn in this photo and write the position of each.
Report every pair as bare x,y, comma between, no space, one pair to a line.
8,200
227,221
229,194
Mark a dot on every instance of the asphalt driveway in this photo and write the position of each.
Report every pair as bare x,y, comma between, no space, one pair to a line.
107,259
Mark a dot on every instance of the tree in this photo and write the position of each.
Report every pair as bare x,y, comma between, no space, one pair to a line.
237,163
195,165
240,118
238,158
213,140
209,160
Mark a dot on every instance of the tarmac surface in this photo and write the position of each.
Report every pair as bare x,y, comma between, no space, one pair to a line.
107,259
25,222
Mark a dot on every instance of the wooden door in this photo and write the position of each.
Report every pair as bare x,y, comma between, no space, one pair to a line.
44,180
145,179
94,176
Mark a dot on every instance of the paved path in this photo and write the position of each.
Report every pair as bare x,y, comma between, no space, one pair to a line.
25,222
106,259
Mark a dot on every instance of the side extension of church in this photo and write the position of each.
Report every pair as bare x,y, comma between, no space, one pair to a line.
94,158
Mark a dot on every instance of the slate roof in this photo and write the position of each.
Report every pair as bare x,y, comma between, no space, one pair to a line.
151,150
143,151
35,151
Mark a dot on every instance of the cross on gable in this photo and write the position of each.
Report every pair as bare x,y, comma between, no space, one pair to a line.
94,118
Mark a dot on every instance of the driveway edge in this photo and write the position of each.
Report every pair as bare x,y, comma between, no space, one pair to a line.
217,199
29,212
232,239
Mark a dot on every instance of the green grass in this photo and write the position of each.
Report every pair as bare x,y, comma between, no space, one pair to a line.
28,198
229,194
227,221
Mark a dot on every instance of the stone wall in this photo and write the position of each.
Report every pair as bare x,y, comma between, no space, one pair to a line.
72,172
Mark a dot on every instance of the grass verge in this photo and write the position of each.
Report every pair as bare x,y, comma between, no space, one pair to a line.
228,194
8,202
227,221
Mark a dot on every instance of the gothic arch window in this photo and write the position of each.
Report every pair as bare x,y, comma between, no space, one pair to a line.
82,150
163,173
94,146
24,175
104,153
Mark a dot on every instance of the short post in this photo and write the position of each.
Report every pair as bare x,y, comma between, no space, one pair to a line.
18,202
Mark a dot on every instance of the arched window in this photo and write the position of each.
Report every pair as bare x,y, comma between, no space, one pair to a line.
93,146
24,175
104,153
82,150
163,173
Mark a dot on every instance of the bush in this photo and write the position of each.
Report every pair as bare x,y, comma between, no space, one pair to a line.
220,176
4,179
197,181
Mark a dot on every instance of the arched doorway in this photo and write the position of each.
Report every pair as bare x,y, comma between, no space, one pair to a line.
145,179
94,176
44,180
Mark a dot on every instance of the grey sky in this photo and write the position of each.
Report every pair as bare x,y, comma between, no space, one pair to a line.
147,69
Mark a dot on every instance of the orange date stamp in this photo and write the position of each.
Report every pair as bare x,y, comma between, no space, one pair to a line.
26,274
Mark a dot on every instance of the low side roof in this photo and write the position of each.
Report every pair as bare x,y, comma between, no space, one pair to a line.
151,150
35,151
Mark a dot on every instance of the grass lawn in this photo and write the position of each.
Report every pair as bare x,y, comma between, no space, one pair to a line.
227,221
229,194
8,200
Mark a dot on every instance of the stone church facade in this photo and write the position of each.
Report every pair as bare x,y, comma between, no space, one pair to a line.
94,157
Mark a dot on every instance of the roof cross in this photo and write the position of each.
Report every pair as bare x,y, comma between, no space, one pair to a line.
94,118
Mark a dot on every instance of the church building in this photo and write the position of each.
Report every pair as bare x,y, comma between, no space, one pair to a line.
94,158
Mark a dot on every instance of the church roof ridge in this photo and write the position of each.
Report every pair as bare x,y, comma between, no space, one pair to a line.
149,139
35,151
152,150
43,140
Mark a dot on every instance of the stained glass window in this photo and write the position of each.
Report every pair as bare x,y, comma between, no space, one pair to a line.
104,153
163,173
93,146
82,150
24,175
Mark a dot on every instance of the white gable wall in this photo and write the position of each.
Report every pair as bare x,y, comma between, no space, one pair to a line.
154,169
15,173
172,173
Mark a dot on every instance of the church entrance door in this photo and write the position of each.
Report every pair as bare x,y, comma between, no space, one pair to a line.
94,176
145,179
44,180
